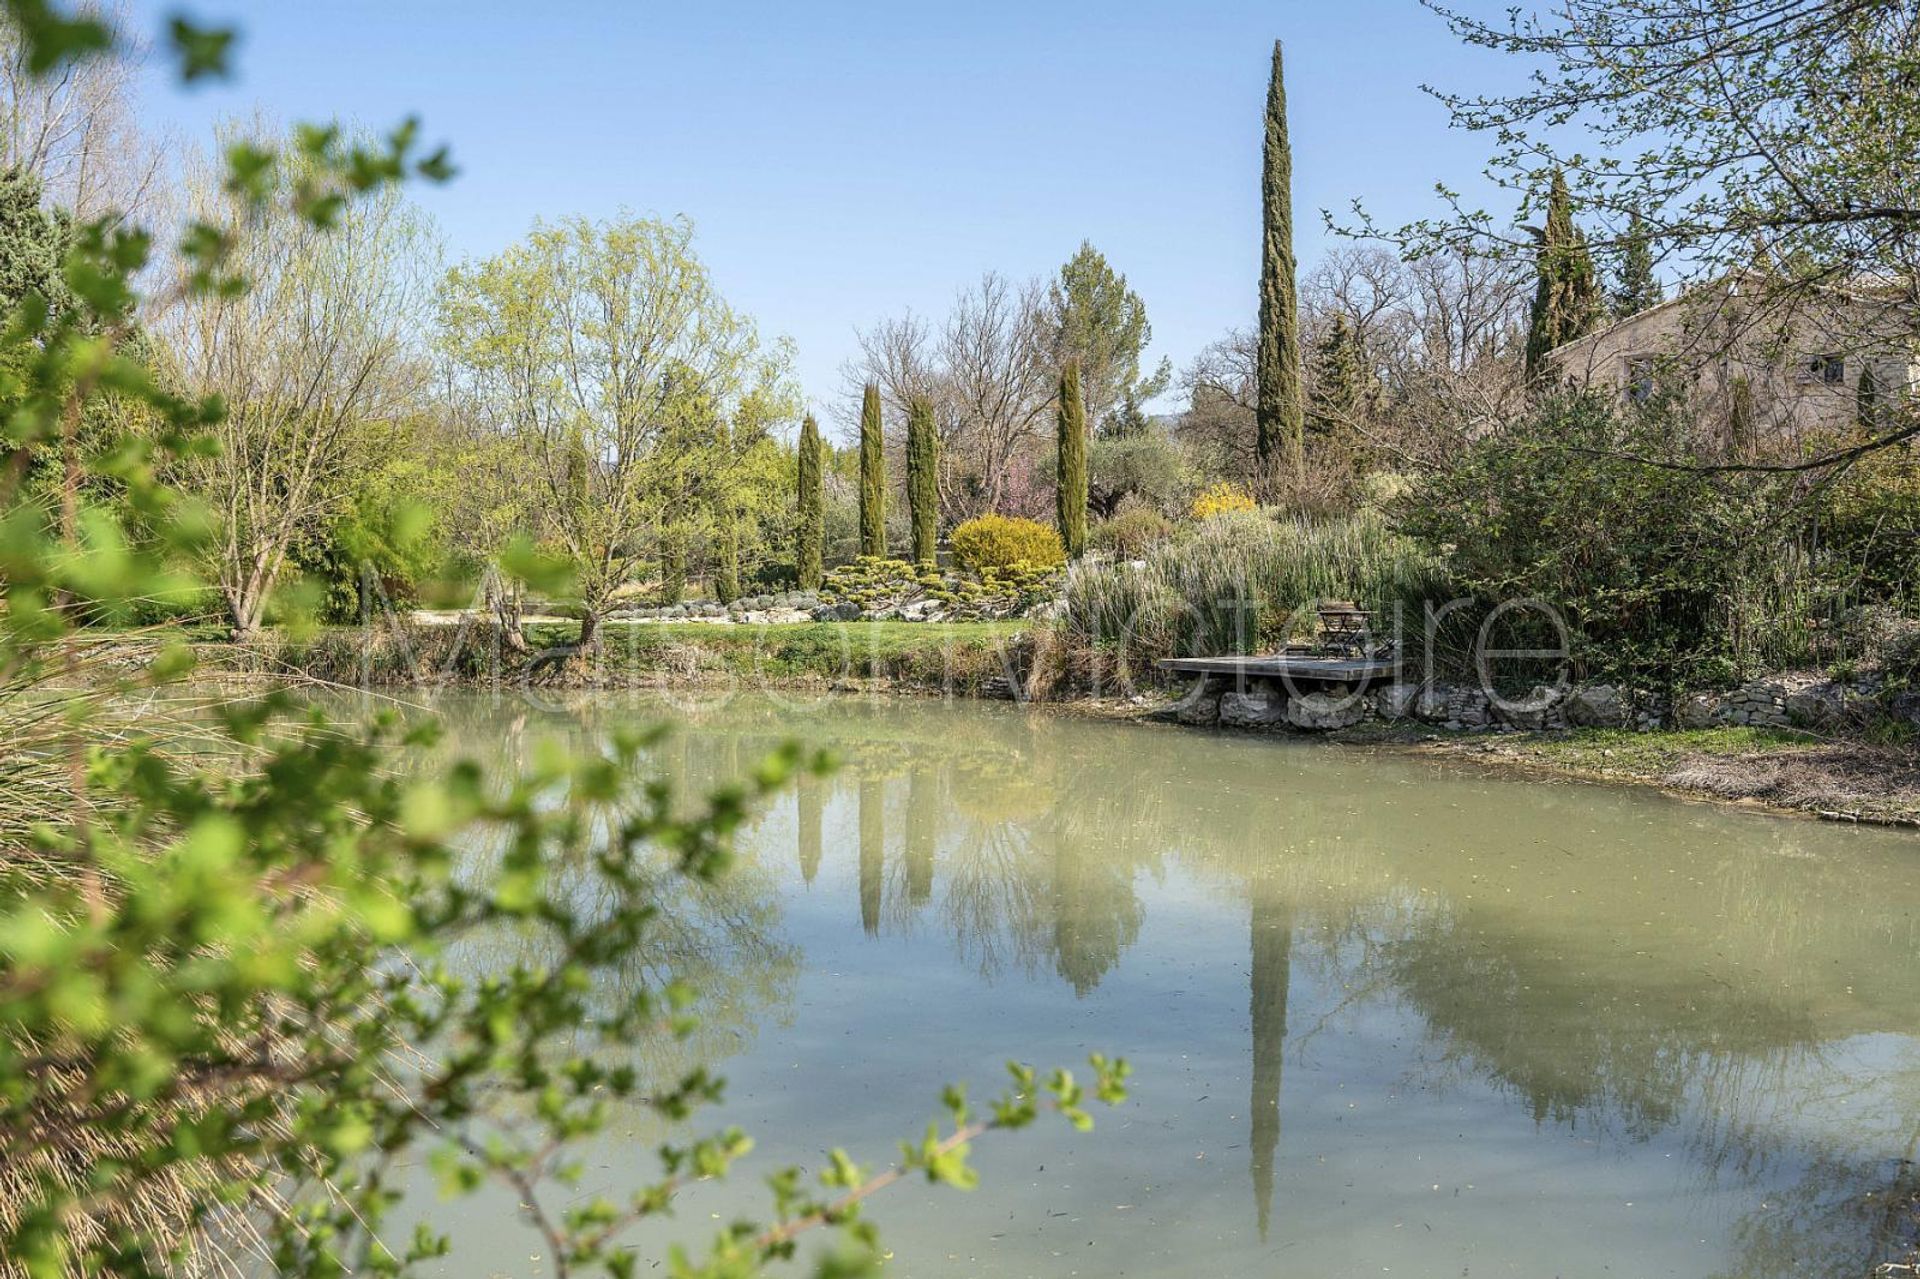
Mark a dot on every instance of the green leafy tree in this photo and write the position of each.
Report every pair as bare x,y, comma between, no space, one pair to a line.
607,352
1279,407
873,475
811,525
1566,299
1070,489
1094,318
1635,286
923,479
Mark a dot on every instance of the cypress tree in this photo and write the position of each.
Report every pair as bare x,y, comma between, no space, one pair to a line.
1866,400
873,476
1071,490
1566,302
1339,380
1279,412
811,526
923,479
673,565
1635,286
726,573
726,569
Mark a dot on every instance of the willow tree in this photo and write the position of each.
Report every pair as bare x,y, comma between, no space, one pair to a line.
1279,408
873,476
810,526
923,478
1071,489
607,351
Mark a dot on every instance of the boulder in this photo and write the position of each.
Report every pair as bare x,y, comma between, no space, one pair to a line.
1257,708
1599,706
1397,701
1697,710
1202,710
1321,712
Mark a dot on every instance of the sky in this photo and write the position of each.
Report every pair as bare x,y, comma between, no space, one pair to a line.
844,161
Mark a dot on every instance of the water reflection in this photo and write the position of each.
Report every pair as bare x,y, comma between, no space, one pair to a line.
1722,1003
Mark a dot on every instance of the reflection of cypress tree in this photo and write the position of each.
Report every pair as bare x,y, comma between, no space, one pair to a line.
1272,960
807,795
872,851
923,818
1095,914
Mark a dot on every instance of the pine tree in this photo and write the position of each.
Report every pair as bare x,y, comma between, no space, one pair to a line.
873,476
1279,411
1635,287
923,479
1566,303
810,532
1071,491
1339,379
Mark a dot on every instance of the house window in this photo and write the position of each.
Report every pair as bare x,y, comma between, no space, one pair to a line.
1639,384
1826,369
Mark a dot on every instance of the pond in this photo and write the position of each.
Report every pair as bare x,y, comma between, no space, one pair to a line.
1386,1016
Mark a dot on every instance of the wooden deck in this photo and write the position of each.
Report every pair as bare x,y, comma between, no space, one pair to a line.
1305,670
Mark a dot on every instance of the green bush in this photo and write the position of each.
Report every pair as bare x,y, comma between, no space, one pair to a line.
1133,531
1001,541
1664,575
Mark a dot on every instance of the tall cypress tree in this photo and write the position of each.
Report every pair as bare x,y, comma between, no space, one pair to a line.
1566,302
1279,411
923,479
873,476
726,569
1635,287
1071,491
811,525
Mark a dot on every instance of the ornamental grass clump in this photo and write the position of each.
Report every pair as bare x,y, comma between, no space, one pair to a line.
1242,582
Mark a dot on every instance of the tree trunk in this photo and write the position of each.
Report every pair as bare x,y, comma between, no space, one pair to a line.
589,628
502,599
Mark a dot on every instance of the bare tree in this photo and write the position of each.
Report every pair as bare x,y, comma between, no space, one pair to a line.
987,370
314,363
1439,341
77,129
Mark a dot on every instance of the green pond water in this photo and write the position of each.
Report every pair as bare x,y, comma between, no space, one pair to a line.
1386,1016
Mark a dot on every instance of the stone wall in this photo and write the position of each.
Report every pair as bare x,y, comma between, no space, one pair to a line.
1780,701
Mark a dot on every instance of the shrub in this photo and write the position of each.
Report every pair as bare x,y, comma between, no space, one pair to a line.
1221,499
1664,575
1133,531
1001,542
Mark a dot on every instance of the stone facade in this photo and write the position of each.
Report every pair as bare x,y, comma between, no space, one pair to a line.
1759,369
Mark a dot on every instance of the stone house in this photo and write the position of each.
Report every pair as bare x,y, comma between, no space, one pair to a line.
1761,364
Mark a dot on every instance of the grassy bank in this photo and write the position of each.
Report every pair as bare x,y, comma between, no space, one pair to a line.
959,657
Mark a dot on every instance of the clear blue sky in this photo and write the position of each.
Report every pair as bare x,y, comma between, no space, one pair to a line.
845,161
